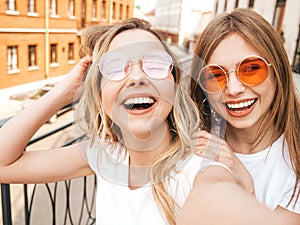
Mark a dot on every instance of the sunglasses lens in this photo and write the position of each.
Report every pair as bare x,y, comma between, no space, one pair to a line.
253,70
157,64
114,65
212,78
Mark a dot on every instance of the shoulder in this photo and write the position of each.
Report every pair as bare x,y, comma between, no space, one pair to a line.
214,173
189,169
186,172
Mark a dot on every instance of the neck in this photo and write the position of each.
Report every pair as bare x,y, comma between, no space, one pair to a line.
245,140
145,149
146,152
142,154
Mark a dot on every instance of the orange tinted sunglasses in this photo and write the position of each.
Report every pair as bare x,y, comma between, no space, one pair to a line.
251,71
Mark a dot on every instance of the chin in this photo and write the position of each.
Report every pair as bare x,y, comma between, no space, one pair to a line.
241,125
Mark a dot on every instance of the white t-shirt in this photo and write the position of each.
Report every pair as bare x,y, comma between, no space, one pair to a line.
273,175
116,204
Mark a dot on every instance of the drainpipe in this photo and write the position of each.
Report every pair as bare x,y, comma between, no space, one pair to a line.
47,39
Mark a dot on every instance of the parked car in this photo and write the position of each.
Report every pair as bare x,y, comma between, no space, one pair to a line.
26,99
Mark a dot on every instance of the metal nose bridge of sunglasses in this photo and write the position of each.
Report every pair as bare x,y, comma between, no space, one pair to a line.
234,72
136,61
157,70
133,62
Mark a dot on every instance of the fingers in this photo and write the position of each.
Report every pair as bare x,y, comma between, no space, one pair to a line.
204,134
202,137
218,153
82,66
209,146
86,61
72,85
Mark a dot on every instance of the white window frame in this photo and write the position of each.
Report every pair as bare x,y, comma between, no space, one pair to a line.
53,56
12,59
72,9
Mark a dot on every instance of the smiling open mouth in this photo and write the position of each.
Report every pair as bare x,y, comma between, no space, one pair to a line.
242,106
139,103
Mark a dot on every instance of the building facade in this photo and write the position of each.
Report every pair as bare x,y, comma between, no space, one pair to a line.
181,21
284,15
39,39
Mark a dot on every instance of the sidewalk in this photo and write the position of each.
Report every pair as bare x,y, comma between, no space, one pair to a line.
10,107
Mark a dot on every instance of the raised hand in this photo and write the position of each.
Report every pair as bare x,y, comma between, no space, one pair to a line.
209,146
71,85
28,121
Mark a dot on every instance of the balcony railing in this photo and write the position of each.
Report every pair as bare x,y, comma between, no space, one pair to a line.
68,202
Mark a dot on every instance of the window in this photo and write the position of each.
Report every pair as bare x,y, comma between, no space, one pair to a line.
225,6
12,58
296,58
32,56
32,6
94,9
71,8
71,52
121,12
103,11
10,5
278,15
83,13
251,4
216,7
113,16
236,4
53,53
53,8
127,11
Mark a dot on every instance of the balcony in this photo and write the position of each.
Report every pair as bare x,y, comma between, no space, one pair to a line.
68,202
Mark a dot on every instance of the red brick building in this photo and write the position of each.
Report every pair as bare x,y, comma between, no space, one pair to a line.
39,42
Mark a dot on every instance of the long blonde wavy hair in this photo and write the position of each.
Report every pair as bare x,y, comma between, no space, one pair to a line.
182,120
283,114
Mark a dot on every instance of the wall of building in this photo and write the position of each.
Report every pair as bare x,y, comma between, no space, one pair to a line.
20,28
194,16
290,24
168,19
291,27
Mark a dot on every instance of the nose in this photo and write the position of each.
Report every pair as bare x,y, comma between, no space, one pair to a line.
137,76
233,85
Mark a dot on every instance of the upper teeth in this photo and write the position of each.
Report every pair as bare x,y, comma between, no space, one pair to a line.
240,105
140,100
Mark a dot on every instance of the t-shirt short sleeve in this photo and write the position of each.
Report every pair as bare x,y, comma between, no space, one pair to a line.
187,170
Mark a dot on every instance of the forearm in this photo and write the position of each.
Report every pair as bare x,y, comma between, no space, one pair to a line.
226,203
15,135
17,132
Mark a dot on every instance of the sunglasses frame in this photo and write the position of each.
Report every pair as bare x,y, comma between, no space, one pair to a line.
130,62
236,73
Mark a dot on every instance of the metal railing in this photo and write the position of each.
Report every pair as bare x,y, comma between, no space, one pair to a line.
67,202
